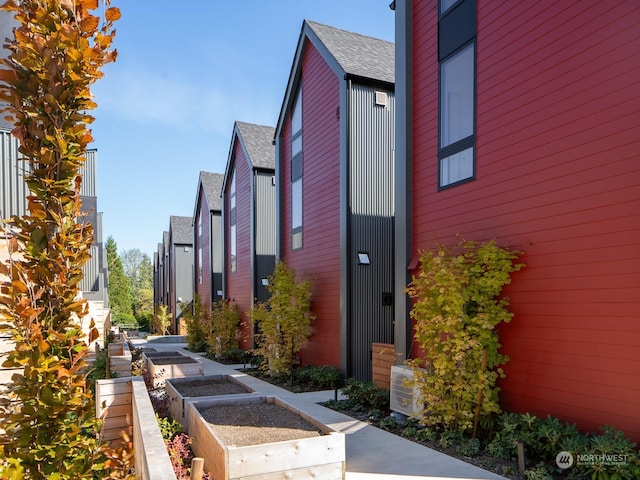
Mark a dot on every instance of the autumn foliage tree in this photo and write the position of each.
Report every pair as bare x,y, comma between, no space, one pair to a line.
55,57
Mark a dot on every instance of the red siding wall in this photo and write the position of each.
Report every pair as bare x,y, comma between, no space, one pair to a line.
558,176
239,282
319,258
203,289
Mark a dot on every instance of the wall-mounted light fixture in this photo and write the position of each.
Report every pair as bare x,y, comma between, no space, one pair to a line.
363,258
265,282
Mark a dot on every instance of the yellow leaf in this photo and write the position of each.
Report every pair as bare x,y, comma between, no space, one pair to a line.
112,14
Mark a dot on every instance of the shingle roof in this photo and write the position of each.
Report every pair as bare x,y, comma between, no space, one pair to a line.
212,186
258,140
357,54
181,230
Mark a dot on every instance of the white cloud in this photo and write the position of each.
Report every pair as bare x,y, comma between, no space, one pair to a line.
146,98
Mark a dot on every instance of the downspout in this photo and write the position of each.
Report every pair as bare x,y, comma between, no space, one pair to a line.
345,333
404,182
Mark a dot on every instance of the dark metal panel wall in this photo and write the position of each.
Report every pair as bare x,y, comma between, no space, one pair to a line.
371,223
13,190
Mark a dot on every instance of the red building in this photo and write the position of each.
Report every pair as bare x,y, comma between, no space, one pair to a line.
521,122
207,239
334,168
249,219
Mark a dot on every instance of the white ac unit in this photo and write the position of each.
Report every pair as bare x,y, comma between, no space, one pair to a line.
405,399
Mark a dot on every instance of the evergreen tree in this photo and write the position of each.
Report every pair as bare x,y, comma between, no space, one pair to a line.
120,296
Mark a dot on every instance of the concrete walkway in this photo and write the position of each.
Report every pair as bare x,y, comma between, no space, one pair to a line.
372,453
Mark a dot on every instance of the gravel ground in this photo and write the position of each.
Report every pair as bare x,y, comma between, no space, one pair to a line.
255,423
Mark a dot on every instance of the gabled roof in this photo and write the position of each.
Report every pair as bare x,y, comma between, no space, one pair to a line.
257,143
348,54
357,55
165,241
181,230
211,185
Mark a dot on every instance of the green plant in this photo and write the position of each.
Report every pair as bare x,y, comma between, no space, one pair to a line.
457,307
388,423
169,428
56,55
366,395
161,320
468,447
284,322
98,369
198,324
450,438
609,456
322,377
539,472
225,323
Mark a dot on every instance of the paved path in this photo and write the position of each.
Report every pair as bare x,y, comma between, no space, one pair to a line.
372,453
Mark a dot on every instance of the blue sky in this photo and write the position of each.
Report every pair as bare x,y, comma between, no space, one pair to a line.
166,107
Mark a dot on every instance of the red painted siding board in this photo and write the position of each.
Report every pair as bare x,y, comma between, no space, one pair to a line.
319,258
239,283
558,131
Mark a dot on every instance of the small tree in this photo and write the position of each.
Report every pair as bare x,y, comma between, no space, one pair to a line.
161,320
284,321
225,318
457,307
50,431
198,323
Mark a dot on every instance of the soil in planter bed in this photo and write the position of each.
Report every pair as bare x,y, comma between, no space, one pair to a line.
203,388
170,360
241,425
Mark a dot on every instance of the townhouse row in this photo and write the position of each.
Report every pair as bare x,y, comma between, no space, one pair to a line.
514,121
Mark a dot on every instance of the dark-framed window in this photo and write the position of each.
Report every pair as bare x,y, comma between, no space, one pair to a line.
233,245
457,92
296,172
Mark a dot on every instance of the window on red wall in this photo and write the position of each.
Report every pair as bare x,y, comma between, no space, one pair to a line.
199,240
457,118
232,224
296,172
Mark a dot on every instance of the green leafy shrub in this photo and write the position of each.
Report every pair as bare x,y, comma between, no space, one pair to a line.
284,322
450,438
609,455
225,323
169,428
198,324
468,447
322,377
388,423
366,395
457,307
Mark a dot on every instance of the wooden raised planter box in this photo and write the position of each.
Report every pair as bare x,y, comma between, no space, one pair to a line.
319,456
182,391
163,368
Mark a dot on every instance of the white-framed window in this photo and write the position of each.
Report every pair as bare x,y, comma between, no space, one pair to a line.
233,252
296,172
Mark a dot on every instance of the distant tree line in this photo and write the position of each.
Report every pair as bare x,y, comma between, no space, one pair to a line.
130,286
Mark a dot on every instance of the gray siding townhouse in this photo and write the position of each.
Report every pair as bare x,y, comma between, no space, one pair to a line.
180,268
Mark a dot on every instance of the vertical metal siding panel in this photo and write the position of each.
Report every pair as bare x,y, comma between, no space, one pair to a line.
371,186
89,174
14,191
265,232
